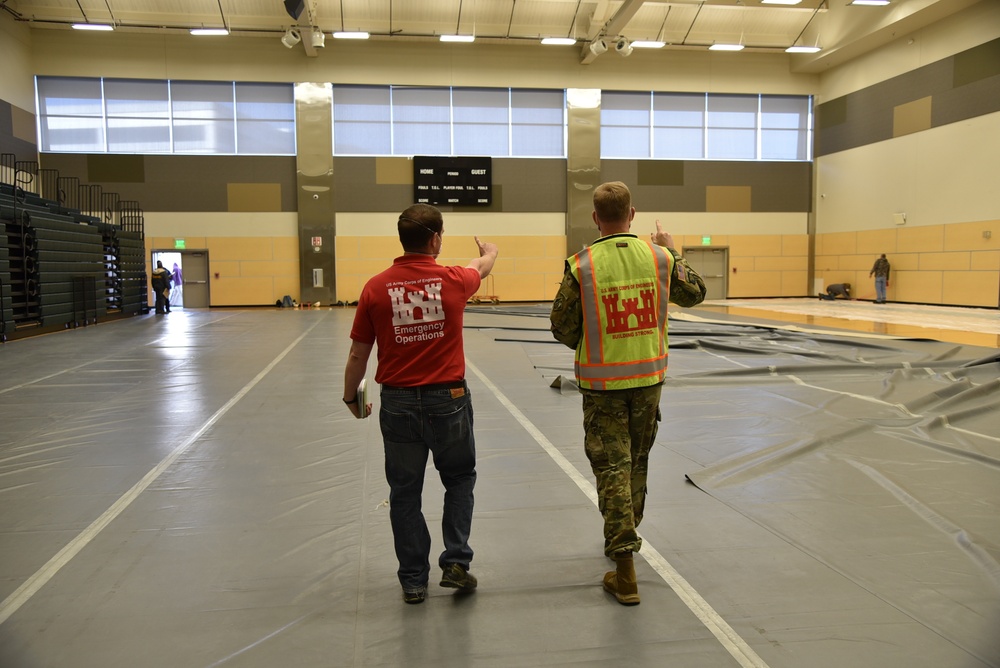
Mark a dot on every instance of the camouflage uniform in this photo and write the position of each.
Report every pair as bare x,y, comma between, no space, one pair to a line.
620,425
620,428
616,441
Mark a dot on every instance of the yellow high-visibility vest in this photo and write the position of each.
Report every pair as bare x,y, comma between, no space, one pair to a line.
624,289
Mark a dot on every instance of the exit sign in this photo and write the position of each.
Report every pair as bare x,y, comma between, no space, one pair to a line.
178,243
706,241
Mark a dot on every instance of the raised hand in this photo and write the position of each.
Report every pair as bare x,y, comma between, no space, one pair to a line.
661,238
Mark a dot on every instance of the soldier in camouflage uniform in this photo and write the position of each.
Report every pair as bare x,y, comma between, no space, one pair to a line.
620,424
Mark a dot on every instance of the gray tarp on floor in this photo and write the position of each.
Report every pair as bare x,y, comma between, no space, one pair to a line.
262,536
879,457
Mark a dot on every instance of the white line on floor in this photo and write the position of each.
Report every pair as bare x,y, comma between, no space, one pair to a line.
724,633
23,593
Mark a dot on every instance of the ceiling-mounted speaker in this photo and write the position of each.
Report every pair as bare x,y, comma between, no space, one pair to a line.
295,8
598,46
291,38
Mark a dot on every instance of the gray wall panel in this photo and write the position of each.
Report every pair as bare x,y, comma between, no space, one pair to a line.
519,185
977,98
963,86
529,185
9,142
355,189
186,183
776,186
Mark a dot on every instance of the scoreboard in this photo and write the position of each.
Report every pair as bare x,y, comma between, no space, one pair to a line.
466,181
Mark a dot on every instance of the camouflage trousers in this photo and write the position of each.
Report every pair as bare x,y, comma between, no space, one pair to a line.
620,427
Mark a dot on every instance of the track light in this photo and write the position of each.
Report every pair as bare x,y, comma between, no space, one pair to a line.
598,46
318,39
623,47
291,38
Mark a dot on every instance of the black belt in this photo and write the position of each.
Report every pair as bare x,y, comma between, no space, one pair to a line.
453,385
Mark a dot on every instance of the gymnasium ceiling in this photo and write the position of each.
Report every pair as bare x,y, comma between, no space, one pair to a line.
843,31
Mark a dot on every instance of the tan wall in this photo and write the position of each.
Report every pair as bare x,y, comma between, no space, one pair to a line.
940,264
762,265
937,264
17,84
243,271
529,268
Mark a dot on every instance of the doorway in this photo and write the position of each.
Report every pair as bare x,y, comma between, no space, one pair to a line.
713,265
189,272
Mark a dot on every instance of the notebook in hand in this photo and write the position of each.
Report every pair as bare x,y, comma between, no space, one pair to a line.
363,399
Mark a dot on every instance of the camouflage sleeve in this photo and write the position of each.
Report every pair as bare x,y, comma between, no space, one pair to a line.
567,312
687,288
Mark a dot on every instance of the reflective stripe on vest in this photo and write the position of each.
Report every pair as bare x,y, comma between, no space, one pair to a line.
595,369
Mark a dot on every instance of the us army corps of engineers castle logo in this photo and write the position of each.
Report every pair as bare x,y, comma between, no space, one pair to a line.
631,316
417,315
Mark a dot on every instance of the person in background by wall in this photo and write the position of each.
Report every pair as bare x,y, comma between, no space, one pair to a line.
160,283
880,270
176,294
413,310
612,309
837,291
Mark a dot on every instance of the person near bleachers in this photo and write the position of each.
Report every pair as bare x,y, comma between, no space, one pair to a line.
160,281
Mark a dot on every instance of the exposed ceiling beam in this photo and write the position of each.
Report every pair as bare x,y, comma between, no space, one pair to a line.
613,27
851,32
307,23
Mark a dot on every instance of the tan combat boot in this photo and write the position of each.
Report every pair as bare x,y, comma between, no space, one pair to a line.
621,582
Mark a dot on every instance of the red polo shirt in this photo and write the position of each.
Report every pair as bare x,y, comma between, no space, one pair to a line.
413,312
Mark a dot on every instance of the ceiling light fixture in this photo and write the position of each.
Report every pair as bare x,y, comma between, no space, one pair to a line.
780,2
458,27
726,47
598,46
344,33
870,3
93,26
648,44
803,48
317,39
623,47
203,31
291,38
558,41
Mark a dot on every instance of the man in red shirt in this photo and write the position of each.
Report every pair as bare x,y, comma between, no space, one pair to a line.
413,310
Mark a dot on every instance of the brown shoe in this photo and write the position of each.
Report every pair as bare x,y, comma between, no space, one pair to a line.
456,577
621,582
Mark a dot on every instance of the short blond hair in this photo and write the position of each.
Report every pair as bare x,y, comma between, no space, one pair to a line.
612,202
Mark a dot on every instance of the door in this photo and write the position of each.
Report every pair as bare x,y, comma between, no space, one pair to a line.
196,279
172,261
713,265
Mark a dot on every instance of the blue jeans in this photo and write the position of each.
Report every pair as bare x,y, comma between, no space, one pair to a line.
880,282
416,421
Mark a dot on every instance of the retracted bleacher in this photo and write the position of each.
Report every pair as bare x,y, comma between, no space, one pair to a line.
70,254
